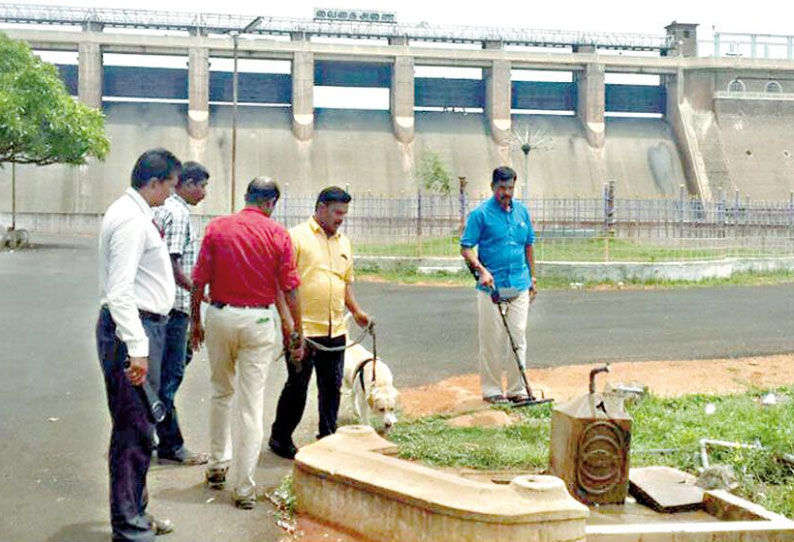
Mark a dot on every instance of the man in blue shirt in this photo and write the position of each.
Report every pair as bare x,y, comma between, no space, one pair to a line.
501,230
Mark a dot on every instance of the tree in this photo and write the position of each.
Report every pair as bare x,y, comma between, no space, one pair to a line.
434,173
40,123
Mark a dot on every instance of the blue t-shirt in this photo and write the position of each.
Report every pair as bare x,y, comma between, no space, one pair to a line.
501,237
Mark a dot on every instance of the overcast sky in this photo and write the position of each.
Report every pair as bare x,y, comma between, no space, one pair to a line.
760,16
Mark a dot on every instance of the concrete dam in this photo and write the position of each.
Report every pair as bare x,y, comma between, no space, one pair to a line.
717,125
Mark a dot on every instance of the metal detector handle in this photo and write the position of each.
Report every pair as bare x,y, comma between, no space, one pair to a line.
150,398
490,290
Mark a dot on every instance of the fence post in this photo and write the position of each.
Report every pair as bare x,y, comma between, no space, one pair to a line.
419,220
681,201
736,203
609,215
791,213
463,203
721,212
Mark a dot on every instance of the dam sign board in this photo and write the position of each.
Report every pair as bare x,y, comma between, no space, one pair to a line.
359,15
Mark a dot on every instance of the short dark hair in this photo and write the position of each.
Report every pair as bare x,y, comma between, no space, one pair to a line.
503,173
154,164
262,189
332,194
193,172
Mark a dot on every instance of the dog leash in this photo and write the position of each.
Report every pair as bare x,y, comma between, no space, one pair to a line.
370,329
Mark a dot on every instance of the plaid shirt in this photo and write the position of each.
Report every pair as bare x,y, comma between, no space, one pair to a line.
173,219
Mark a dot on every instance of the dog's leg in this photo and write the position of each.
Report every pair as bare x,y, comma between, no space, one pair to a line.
362,409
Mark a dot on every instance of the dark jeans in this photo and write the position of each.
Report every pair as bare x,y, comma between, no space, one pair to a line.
133,432
292,402
173,370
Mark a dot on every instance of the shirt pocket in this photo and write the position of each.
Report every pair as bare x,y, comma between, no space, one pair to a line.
518,232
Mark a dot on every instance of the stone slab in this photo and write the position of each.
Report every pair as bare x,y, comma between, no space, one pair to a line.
665,489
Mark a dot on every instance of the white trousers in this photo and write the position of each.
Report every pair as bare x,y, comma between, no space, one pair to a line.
496,356
241,344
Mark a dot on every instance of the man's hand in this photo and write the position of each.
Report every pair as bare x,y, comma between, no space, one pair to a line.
362,318
486,279
533,290
296,347
136,370
196,336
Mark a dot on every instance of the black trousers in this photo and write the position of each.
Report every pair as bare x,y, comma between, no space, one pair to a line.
330,368
133,433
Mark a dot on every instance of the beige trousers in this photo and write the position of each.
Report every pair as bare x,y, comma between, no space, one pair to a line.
241,344
496,356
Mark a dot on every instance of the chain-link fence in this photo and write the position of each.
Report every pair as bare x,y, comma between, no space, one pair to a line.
571,229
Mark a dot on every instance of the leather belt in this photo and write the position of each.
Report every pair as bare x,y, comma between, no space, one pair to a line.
146,315
221,304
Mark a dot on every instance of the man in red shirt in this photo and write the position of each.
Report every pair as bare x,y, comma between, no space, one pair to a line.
245,258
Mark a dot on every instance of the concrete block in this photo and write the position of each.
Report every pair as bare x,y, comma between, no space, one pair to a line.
198,92
402,99
89,78
591,96
303,96
497,100
665,489
341,480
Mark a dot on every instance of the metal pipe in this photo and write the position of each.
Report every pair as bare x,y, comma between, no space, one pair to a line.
594,372
705,443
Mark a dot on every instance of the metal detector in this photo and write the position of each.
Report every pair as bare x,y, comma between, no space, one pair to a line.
502,297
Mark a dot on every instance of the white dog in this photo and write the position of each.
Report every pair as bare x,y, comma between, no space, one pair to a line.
370,396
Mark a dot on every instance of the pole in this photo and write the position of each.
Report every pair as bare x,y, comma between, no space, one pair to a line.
235,38
525,148
462,201
13,196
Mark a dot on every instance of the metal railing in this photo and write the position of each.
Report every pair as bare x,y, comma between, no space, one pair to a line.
223,23
570,229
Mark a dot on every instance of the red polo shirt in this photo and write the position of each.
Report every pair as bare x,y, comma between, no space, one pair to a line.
245,258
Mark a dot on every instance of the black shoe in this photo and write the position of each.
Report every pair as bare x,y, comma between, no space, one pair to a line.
287,451
216,478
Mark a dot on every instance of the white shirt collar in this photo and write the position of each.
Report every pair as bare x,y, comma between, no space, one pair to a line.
137,198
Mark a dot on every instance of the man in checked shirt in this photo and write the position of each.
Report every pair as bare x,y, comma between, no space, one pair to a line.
181,240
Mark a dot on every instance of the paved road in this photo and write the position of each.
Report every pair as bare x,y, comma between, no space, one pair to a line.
54,424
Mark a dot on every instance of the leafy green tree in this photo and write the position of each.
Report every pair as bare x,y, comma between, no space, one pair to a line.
40,123
434,173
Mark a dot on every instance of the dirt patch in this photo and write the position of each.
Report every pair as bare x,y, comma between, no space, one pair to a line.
312,530
663,378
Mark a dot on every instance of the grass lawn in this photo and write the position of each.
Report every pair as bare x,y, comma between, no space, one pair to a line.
575,249
409,275
677,424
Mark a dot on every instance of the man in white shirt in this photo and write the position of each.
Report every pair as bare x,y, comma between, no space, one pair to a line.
181,239
137,292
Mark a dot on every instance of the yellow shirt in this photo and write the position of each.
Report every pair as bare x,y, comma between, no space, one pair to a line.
325,265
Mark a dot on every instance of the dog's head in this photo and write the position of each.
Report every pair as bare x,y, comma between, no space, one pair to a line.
382,401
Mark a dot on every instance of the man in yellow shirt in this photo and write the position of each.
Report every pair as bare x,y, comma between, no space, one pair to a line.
325,264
